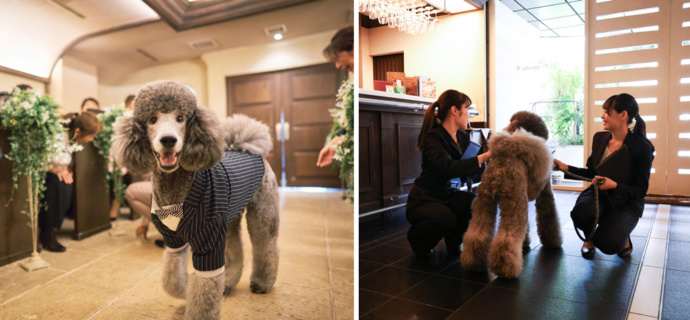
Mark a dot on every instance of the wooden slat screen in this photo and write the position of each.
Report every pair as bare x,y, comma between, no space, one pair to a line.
636,46
388,63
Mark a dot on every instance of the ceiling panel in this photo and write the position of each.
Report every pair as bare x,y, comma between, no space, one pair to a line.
552,11
553,18
528,4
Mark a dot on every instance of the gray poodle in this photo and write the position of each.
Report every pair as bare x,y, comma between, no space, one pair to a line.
519,171
205,172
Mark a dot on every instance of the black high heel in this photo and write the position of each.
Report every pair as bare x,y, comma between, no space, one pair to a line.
588,253
626,251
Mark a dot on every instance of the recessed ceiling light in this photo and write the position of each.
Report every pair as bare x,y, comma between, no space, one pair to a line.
278,36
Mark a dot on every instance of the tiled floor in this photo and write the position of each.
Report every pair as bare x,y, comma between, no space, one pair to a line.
105,277
554,284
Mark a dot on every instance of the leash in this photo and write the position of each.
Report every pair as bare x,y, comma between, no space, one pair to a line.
596,212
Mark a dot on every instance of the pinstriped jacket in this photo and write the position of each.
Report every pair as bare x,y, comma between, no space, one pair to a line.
217,196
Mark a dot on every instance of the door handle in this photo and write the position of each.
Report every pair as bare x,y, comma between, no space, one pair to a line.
287,131
278,130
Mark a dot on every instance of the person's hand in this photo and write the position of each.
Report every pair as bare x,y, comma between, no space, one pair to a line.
65,176
484,157
605,183
558,165
327,152
325,156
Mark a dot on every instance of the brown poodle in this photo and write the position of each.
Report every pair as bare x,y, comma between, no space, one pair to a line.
519,171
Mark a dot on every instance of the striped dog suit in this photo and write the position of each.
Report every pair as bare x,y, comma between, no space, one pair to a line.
217,196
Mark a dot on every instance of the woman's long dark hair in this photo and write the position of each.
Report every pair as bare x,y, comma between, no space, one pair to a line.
432,118
625,102
86,122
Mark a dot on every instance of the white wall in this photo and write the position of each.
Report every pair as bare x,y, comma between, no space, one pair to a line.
71,82
454,56
279,55
8,81
190,72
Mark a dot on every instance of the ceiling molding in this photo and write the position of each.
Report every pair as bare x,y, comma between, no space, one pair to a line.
24,74
183,15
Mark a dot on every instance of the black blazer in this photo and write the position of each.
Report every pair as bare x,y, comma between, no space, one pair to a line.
634,190
441,162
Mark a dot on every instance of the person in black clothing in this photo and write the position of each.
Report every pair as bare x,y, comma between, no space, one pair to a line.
433,210
621,203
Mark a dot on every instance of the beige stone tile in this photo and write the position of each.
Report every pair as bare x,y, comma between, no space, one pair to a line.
302,275
113,273
70,259
343,280
285,300
237,312
344,306
103,243
149,297
57,300
141,252
635,316
655,255
15,281
342,258
660,229
118,313
648,292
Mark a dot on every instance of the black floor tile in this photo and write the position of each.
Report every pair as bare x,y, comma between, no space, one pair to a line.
456,271
680,214
495,303
443,292
399,242
597,283
385,254
572,245
434,263
391,281
678,256
370,300
675,304
367,267
401,309
679,231
644,226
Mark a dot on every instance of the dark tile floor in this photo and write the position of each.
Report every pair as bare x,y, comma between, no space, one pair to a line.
677,283
554,283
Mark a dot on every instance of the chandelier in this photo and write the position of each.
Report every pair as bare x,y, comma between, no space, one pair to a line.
409,16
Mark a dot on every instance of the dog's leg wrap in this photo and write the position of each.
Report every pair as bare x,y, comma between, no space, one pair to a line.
234,257
175,271
262,224
506,250
204,296
475,252
548,226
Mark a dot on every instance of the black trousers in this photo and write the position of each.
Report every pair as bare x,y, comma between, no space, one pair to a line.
433,220
58,199
615,225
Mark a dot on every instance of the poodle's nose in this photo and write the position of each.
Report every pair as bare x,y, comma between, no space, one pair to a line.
168,141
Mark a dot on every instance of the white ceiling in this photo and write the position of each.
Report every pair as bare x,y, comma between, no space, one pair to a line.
116,54
35,33
553,18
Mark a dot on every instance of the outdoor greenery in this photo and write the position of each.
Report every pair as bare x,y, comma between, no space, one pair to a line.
566,119
102,143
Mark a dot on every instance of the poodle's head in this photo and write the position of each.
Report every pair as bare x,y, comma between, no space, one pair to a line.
529,121
167,131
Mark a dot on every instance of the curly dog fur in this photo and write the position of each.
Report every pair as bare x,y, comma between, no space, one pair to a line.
203,141
519,171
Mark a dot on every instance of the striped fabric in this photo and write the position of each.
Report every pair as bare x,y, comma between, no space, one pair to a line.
215,199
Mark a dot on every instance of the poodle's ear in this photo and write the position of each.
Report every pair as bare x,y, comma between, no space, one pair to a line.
131,147
204,144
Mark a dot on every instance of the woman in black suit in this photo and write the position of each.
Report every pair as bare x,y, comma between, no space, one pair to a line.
434,210
620,202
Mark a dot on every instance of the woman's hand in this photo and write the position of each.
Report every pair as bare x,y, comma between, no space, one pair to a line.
327,152
605,183
558,165
65,176
484,157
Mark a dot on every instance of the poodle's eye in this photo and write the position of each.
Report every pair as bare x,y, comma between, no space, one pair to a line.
153,120
180,119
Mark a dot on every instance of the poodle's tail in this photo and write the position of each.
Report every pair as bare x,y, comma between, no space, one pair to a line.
243,133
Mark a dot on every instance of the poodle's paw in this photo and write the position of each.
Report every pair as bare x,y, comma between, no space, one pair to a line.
552,242
472,262
257,287
504,268
526,244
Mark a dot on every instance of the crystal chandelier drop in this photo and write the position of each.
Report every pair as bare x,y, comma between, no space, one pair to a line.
409,16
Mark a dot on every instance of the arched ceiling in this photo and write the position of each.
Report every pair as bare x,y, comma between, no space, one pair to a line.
122,36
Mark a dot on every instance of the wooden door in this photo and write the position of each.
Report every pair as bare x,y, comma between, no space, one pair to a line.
308,94
258,96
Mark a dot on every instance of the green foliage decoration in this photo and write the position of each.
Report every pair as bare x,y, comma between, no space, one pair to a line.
102,142
343,125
